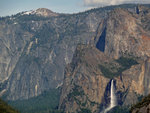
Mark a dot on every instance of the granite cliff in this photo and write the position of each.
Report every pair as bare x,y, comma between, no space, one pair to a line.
120,51
95,46
36,46
35,49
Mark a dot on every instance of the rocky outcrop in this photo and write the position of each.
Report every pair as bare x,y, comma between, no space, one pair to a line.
132,84
35,49
84,85
120,51
13,41
45,12
124,36
142,107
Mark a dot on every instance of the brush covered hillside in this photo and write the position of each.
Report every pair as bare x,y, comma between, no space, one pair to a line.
5,108
142,107
68,60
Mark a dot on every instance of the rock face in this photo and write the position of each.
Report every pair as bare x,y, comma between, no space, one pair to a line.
123,41
84,85
45,12
123,36
35,48
142,107
12,43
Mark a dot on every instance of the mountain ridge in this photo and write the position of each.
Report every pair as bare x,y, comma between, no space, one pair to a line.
35,51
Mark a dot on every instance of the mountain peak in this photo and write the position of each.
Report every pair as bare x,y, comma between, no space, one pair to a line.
45,12
41,12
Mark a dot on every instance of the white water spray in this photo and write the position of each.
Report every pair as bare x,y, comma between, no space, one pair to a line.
113,102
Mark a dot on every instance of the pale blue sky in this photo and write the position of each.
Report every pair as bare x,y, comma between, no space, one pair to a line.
9,7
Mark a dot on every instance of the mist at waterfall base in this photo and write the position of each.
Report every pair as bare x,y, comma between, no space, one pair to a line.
113,99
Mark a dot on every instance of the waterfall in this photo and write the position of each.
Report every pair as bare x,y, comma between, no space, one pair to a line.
112,96
113,102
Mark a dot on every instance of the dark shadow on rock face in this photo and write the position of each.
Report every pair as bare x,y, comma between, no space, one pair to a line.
101,42
106,99
137,10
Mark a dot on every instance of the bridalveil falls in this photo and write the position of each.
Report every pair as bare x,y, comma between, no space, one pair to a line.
113,101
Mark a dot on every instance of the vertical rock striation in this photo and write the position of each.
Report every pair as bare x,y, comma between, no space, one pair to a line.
120,50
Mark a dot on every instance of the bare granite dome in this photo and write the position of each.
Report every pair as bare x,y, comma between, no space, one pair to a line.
45,12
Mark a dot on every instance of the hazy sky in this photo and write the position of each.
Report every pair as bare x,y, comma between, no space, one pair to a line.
9,7
95,3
